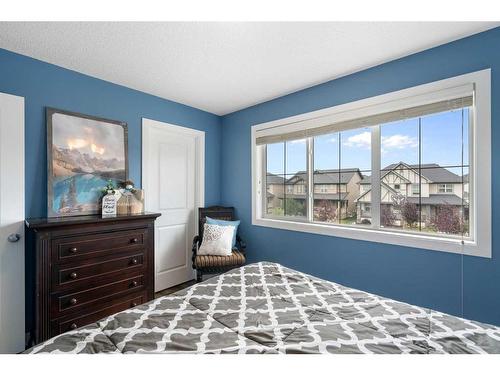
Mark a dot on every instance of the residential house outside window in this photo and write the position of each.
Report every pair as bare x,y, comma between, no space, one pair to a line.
339,165
384,171
445,188
285,179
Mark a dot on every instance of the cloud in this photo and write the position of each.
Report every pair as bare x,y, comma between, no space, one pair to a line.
399,141
362,140
396,141
333,139
297,141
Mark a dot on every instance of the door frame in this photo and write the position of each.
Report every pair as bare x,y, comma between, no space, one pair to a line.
12,110
199,137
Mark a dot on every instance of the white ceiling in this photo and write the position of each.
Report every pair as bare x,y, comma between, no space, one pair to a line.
223,67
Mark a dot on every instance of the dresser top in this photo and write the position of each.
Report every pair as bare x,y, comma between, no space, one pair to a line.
48,222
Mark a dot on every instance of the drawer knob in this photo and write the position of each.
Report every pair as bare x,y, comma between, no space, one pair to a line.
133,261
73,301
73,250
134,304
73,275
134,283
73,326
134,240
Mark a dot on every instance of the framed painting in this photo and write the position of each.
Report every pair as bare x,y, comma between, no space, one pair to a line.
83,154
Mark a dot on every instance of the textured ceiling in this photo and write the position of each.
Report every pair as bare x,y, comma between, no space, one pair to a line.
223,67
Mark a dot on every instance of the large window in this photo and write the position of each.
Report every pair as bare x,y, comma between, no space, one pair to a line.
430,154
341,160
286,179
399,168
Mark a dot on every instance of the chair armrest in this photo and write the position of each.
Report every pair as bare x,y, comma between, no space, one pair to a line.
241,244
196,240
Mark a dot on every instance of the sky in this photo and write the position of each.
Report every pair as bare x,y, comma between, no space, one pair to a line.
440,142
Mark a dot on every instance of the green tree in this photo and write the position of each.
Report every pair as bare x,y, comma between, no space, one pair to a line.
295,207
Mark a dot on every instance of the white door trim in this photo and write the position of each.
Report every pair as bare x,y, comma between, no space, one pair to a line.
12,194
199,136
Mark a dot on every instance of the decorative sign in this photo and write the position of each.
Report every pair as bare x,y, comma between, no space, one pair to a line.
109,205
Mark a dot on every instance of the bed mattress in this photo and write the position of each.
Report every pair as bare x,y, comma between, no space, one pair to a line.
267,308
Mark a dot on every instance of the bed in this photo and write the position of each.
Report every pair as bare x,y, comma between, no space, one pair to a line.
267,308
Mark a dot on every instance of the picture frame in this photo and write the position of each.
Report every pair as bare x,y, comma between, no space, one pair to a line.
84,152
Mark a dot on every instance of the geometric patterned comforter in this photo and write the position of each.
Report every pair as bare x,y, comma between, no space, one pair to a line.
267,308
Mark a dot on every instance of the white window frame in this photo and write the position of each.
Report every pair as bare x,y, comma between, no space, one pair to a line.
479,243
445,188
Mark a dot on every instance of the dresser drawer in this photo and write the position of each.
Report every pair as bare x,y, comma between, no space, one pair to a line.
74,321
77,248
65,303
90,274
83,268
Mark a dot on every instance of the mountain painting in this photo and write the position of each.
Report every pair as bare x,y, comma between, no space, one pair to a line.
84,153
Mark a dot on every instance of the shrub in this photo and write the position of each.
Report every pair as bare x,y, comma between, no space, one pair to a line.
410,213
447,219
326,210
387,216
294,207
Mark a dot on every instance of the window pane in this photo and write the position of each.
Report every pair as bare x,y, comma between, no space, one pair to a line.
275,194
355,160
296,178
447,202
326,195
326,178
447,131
286,179
356,149
296,156
399,143
295,203
363,202
326,152
337,175
276,158
400,192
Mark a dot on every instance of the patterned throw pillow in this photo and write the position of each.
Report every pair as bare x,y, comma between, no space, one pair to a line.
234,223
217,240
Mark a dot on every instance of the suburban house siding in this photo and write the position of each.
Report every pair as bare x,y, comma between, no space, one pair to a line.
397,185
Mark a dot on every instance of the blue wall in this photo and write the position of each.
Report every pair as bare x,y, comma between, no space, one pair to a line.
468,286
426,278
45,84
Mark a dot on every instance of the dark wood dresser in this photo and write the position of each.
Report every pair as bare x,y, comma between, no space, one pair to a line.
83,268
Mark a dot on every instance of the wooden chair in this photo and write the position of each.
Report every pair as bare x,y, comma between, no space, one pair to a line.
209,264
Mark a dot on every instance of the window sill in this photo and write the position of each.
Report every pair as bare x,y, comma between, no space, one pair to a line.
449,245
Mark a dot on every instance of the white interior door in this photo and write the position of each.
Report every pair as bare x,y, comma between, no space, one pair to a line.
172,178
11,223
